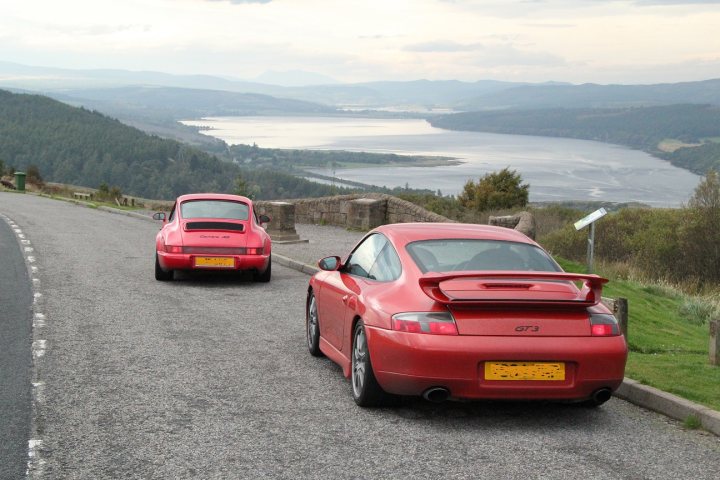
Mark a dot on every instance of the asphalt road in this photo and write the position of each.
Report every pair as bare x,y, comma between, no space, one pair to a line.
15,355
210,378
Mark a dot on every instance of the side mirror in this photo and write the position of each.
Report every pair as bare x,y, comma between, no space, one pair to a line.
263,218
159,216
330,264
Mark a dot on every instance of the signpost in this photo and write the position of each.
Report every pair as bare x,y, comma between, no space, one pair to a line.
584,222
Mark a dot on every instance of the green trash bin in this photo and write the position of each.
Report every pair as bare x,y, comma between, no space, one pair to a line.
20,181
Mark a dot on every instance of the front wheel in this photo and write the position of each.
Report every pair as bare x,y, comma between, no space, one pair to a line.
366,391
312,327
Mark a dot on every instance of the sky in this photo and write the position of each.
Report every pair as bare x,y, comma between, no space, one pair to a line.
578,41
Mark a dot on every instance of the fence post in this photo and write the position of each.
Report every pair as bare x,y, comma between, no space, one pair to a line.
715,342
621,312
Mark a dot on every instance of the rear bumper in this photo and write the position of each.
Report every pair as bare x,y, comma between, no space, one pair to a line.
409,364
183,261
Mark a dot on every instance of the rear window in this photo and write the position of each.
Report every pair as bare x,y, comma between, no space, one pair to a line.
214,209
472,254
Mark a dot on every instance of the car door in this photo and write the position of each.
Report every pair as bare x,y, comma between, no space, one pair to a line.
341,289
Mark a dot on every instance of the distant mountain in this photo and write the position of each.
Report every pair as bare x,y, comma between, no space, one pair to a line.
596,96
187,103
426,93
294,78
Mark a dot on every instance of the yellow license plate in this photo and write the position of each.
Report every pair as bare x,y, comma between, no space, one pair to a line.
524,371
216,262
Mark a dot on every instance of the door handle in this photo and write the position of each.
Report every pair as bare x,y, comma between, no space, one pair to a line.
345,299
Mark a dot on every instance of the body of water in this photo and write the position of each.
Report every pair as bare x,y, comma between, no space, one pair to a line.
557,169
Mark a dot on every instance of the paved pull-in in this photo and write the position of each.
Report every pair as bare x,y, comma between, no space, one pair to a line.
209,377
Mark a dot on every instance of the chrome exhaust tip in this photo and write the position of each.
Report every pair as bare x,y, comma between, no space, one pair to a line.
601,396
436,394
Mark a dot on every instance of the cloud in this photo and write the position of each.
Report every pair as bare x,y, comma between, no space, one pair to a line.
675,2
443,46
501,54
240,2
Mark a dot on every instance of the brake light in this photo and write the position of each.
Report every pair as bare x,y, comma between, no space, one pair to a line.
433,323
173,249
254,251
603,325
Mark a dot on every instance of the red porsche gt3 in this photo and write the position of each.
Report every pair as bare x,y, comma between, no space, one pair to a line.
211,231
462,311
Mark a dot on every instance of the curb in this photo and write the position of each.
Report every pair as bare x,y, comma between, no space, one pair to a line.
630,390
668,404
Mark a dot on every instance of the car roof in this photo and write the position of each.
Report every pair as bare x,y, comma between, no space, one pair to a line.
214,196
404,233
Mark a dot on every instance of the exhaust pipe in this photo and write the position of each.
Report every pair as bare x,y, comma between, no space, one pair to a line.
436,394
601,396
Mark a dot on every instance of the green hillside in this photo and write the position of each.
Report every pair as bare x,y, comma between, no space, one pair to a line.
81,147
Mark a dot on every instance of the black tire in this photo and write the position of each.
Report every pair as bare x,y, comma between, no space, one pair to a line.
312,327
365,389
265,276
160,274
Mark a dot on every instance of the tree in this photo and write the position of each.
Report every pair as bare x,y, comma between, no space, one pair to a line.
241,186
701,247
503,189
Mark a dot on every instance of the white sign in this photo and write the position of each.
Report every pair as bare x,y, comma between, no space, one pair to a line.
596,215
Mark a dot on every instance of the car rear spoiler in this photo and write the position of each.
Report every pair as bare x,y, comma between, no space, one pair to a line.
513,288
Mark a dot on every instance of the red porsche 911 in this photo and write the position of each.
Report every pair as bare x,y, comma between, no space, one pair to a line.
212,232
463,312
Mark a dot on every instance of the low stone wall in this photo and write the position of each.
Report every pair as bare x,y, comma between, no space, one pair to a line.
361,211
523,222
367,211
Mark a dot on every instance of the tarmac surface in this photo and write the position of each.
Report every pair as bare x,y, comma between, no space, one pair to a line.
209,377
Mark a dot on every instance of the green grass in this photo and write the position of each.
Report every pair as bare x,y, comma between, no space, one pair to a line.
668,338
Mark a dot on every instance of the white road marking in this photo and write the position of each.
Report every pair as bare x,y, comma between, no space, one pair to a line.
39,320
38,348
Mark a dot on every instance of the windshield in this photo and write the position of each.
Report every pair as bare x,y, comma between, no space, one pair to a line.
473,254
214,209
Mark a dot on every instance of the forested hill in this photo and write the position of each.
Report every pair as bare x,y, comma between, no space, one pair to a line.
686,135
80,147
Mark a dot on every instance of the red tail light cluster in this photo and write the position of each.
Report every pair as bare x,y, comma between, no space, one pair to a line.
214,250
604,325
433,323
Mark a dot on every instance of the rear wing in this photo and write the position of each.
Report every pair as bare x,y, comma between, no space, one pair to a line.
513,288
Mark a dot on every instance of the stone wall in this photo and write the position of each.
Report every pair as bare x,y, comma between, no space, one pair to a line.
367,211
361,211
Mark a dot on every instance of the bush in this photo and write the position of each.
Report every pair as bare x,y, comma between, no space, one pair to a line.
503,189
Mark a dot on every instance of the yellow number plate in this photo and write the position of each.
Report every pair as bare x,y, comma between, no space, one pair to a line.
524,371
221,262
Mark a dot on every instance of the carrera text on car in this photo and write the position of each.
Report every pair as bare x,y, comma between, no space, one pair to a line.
463,311
212,232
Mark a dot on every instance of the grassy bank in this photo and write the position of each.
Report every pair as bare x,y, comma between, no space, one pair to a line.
668,340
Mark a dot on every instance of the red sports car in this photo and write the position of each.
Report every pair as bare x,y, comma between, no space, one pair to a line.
462,311
209,231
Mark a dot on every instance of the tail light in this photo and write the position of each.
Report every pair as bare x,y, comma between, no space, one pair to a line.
255,251
604,325
173,249
433,323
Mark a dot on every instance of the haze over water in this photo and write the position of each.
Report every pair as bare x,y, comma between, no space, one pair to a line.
557,169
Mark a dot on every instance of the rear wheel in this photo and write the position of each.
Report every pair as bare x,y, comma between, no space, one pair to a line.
366,390
161,274
312,327
265,276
